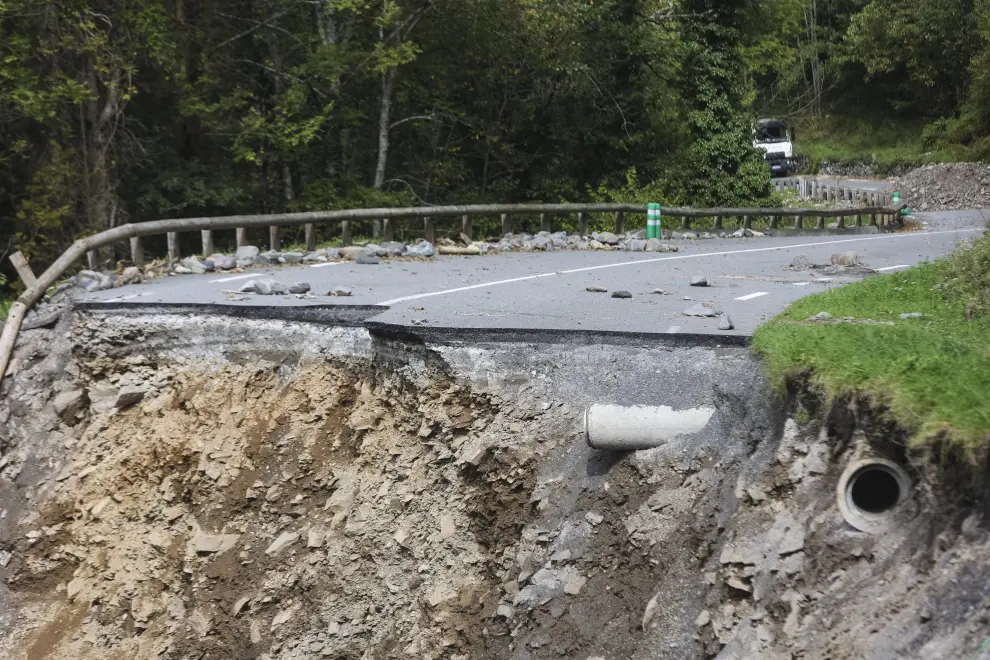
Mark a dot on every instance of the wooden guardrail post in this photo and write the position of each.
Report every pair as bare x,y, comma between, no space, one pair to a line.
506,224
23,269
718,222
747,222
546,224
582,223
388,229
773,222
137,252
685,222
173,246
799,222
241,233
429,232
310,232
841,222
466,228
620,222
93,259
821,222
206,236
345,232
274,242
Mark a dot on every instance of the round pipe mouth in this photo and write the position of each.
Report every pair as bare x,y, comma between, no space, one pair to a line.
870,492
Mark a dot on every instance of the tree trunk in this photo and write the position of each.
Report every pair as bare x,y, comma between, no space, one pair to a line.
384,117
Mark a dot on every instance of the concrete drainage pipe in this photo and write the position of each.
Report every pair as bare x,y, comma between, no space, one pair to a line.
628,428
871,492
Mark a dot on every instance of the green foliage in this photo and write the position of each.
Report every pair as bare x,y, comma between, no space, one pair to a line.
117,111
932,373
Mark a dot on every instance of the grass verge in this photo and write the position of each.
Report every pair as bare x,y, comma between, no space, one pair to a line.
885,143
932,374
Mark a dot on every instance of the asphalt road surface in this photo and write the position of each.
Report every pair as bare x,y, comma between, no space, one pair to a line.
749,279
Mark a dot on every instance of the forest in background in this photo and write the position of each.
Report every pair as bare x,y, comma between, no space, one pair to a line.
115,111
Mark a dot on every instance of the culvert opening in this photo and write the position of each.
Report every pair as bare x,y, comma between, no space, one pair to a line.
875,490
870,491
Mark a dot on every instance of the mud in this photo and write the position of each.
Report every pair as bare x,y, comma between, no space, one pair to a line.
245,489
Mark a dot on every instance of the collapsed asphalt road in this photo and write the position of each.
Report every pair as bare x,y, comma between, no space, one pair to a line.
749,279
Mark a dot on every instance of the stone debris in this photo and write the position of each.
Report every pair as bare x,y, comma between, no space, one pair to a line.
69,404
90,280
820,316
130,275
801,262
201,622
625,295
912,315
447,526
703,310
575,585
725,323
845,259
699,280
366,258
299,287
340,291
247,252
204,543
224,261
264,286
596,289
421,249
594,518
946,187
284,540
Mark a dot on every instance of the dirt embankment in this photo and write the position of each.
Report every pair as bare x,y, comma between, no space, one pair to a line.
369,500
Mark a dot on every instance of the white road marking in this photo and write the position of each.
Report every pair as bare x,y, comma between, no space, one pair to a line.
678,257
901,267
802,283
673,330
324,265
133,295
235,277
753,295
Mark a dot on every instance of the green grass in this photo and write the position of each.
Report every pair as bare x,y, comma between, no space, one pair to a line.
884,142
931,374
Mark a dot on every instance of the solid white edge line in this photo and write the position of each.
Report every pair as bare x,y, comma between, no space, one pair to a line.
893,267
235,277
673,330
324,265
754,295
675,257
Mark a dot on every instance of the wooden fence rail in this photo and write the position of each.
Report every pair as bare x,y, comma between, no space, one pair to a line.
132,233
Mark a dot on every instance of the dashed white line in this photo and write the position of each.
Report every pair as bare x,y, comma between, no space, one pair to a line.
680,257
886,268
331,263
801,283
235,277
753,295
